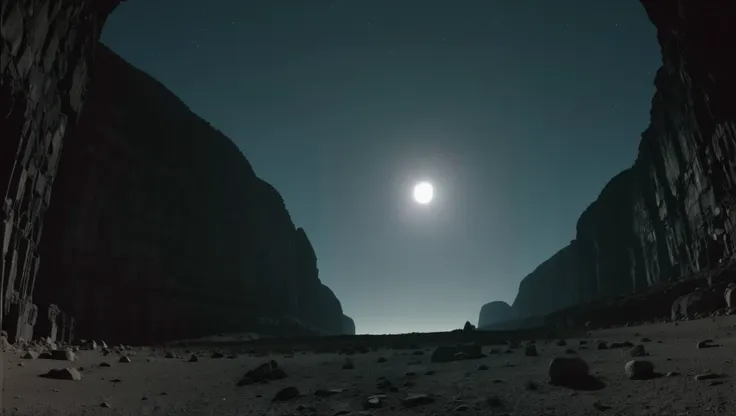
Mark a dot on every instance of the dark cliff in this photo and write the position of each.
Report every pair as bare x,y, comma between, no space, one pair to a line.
671,214
46,54
161,230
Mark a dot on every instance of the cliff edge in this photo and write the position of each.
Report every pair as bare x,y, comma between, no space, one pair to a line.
160,229
672,213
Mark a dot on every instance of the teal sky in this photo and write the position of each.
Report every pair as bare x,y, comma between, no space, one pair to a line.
518,112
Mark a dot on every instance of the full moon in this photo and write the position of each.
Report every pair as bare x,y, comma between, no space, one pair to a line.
423,192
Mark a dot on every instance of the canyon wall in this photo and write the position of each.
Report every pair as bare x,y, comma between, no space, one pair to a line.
161,230
672,213
46,54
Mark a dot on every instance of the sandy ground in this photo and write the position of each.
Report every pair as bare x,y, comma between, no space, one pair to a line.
513,384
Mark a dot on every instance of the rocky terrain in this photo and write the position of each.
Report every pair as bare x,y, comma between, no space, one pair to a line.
670,216
659,369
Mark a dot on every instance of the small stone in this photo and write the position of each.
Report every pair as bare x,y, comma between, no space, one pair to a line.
462,408
124,359
561,343
63,355
564,370
30,355
645,339
193,358
285,394
348,365
639,370
105,364
602,346
64,374
672,374
417,400
482,367
637,351
530,350
217,355
374,402
706,376
708,343
106,405
169,355
381,360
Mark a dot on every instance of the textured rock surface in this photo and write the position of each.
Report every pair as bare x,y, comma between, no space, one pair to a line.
46,55
672,213
494,312
161,230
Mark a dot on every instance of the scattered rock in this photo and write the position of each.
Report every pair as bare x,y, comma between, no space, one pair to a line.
672,374
381,360
106,405
625,344
639,370
564,370
707,376
266,371
193,358
645,339
374,402
482,367
462,408
561,343
62,355
417,400
124,359
217,354
530,350
446,353
285,394
63,374
105,364
169,355
348,365
30,355
637,351
708,343
602,346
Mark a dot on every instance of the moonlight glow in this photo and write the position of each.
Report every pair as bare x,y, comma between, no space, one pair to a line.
423,192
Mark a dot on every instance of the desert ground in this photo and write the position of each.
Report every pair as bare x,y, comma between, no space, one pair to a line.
504,382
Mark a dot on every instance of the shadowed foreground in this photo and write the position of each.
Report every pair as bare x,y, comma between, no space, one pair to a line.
507,382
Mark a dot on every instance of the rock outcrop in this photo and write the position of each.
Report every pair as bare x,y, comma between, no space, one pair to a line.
672,213
494,312
46,54
348,325
160,229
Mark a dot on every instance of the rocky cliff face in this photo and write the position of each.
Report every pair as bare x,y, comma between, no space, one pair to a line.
672,213
161,230
46,54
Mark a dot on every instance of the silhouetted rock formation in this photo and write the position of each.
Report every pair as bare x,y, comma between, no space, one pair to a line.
161,230
494,312
672,213
348,325
46,54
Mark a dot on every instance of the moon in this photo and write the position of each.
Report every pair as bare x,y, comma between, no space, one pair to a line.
423,193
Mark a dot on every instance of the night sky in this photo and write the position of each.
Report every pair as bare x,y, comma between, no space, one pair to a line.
517,111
